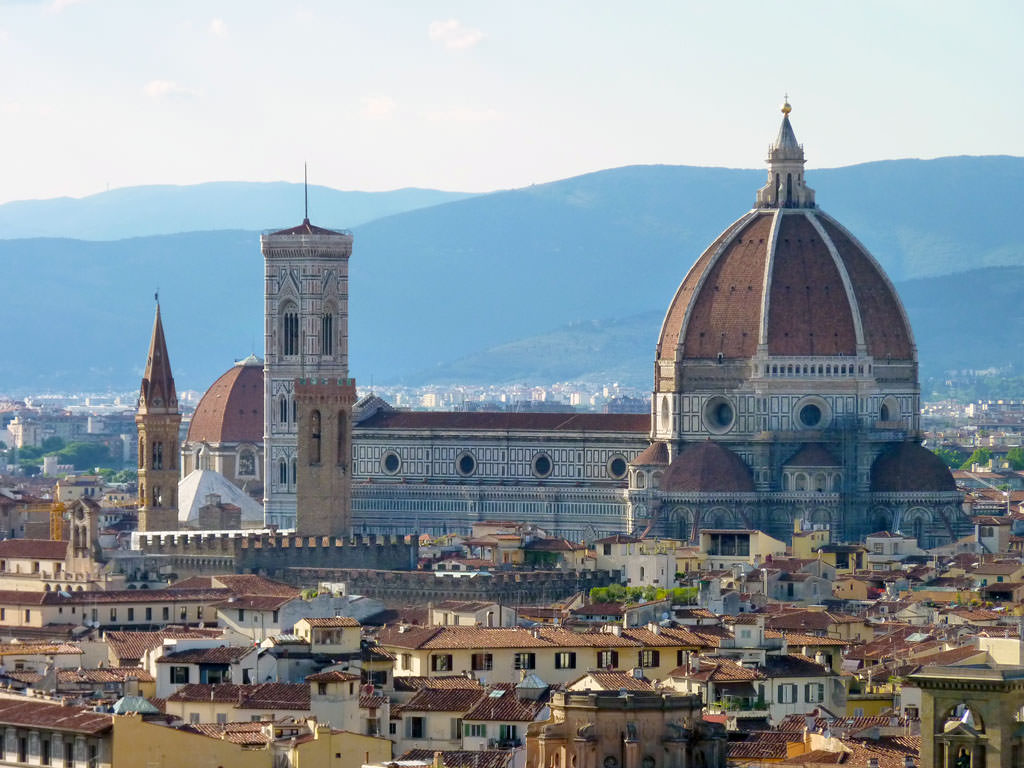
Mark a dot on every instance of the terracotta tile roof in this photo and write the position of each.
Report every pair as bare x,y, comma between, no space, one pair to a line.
444,700
717,669
816,621
467,606
706,467
599,609
239,584
372,700
465,758
43,715
129,647
246,734
501,704
445,682
254,602
334,621
509,422
656,454
39,549
613,680
793,665
909,467
103,675
761,745
305,228
290,696
224,654
439,638
32,649
812,455
799,638
124,596
332,676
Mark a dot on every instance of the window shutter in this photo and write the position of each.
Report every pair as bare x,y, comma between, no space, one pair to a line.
615,658
778,693
807,693
821,691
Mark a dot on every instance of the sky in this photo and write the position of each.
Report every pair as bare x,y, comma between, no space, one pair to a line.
477,96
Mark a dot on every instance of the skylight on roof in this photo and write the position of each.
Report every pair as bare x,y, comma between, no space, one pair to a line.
497,693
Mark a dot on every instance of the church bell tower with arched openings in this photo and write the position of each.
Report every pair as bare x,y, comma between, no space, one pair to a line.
306,338
158,419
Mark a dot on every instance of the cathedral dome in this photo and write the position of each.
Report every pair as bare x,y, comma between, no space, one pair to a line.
707,467
231,411
910,468
785,280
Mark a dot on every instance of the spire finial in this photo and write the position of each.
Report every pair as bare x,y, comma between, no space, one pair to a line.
786,108
305,189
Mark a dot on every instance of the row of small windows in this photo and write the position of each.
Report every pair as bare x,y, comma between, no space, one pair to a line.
290,332
466,464
816,370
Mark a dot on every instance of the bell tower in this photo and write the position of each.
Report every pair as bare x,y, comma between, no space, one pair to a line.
158,419
306,316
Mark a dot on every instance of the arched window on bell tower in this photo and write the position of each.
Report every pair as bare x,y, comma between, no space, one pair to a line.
283,409
327,332
157,497
158,455
314,438
289,330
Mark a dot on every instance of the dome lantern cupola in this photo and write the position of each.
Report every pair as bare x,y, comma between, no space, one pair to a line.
785,187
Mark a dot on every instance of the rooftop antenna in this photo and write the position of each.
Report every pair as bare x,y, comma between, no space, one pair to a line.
305,188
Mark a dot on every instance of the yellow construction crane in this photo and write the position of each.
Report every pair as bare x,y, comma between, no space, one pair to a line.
57,510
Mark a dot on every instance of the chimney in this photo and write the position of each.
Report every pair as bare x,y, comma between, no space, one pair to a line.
872,762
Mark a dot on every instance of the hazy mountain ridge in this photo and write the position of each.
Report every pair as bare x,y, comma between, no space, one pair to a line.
480,281
170,209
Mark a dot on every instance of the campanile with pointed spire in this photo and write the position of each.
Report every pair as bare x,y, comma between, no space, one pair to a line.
158,419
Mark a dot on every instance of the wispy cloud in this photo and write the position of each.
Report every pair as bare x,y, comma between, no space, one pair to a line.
463,115
378,107
168,89
454,34
218,28
59,5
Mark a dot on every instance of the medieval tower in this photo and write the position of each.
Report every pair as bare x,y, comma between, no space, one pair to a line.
306,338
158,419
324,488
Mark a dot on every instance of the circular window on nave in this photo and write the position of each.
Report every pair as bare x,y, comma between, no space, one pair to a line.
541,465
465,465
617,467
719,414
391,462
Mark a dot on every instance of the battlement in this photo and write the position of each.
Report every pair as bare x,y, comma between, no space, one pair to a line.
269,551
418,586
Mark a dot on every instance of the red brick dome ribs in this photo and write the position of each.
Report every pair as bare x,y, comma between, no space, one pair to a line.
908,468
792,280
231,411
707,467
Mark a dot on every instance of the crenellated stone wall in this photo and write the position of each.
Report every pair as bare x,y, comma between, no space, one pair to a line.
511,587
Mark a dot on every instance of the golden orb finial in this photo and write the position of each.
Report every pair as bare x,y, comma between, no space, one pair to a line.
786,109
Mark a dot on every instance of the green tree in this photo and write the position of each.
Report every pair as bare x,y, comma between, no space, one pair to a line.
953,458
980,456
52,444
30,452
1016,458
616,593
85,455
599,595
